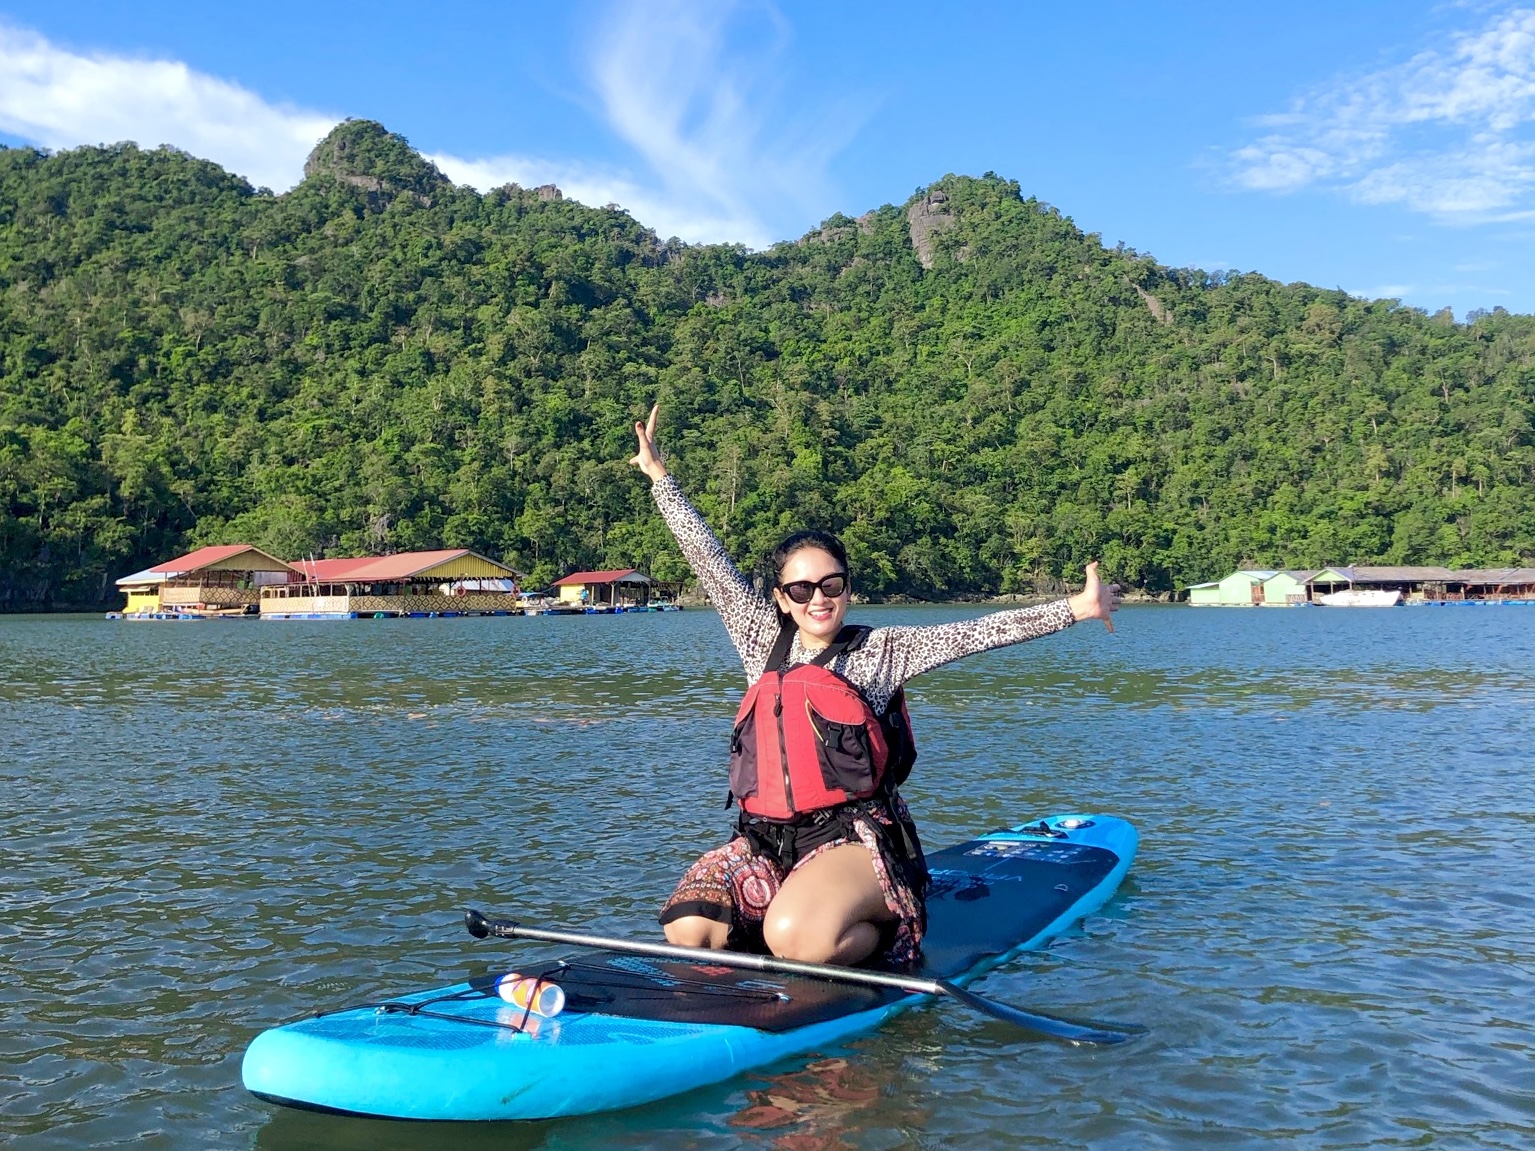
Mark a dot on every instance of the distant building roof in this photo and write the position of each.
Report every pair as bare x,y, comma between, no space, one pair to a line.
593,579
221,557
1251,575
1368,574
143,579
332,570
1495,577
452,563
1363,574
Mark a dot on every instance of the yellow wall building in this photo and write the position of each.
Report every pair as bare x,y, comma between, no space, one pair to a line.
211,581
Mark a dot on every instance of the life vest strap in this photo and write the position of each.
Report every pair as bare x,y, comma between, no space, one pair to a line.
850,638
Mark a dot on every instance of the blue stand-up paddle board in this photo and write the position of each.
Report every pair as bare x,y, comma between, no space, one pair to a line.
636,1029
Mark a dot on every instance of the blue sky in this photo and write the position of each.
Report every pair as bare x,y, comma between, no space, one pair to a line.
1384,148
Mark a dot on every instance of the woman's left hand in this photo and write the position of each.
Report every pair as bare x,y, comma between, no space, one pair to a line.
1096,600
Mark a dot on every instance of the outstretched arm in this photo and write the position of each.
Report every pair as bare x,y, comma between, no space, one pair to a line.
750,620
910,651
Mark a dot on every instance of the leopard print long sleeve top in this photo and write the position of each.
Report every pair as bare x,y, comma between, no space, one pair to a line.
887,659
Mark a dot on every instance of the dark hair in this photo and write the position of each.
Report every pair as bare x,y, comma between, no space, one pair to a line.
799,541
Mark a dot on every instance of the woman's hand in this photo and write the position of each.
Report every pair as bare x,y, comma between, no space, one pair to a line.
1096,600
647,459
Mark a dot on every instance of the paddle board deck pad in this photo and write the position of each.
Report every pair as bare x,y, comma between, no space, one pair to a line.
636,1029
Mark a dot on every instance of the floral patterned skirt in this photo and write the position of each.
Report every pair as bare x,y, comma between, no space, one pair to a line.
735,883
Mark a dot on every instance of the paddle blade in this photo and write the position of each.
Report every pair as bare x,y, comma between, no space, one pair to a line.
1070,1030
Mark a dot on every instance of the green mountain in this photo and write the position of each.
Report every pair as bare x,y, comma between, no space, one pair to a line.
976,394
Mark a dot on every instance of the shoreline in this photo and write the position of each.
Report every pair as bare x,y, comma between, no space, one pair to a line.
694,601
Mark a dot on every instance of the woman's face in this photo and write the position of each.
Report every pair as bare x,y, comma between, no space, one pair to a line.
820,620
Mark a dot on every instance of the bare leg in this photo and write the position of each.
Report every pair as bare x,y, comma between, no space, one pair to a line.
829,910
696,931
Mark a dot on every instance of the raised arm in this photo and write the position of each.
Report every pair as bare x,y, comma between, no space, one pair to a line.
750,620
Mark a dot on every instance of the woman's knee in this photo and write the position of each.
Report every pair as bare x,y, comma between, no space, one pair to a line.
789,937
696,931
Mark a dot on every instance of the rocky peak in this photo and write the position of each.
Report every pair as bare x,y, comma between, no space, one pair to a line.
926,218
543,192
1159,311
367,155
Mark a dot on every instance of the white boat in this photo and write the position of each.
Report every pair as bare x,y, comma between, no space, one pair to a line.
1360,597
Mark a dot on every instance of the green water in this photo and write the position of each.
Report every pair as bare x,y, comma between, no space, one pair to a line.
213,827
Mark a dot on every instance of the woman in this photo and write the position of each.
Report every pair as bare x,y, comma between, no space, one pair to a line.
826,866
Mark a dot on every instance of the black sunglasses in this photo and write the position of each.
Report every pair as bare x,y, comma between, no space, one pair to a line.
803,590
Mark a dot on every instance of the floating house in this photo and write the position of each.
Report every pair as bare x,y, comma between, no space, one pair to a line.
214,581
434,583
1512,585
1411,584
1287,589
1239,589
622,587
1369,585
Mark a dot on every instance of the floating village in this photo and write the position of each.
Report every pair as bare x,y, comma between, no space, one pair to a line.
239,581
1362,586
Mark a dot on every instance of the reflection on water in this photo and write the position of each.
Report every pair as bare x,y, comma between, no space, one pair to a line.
214,827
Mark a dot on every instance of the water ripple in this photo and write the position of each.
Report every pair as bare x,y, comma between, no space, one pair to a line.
211,828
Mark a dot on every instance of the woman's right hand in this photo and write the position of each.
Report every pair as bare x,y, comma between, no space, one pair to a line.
647,459
1096,600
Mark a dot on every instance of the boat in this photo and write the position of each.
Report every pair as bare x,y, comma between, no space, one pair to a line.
637,1028
1360,597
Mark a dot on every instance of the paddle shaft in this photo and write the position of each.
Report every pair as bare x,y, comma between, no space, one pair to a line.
1055,1026
704,955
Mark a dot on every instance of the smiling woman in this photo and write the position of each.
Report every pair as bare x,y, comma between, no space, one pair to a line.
826,865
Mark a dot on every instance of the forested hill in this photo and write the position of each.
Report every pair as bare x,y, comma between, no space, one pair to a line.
378,360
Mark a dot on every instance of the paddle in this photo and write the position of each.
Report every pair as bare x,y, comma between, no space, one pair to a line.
1072,1031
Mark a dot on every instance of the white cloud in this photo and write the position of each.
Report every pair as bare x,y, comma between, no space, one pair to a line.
1386,292
712,159
1448,133
59,99
598,187
1427,291
697,116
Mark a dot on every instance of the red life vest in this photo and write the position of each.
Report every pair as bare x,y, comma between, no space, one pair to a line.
806,739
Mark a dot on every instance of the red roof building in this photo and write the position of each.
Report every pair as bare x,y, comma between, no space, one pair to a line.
616,575
404,567
223,579
619,585
452,581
